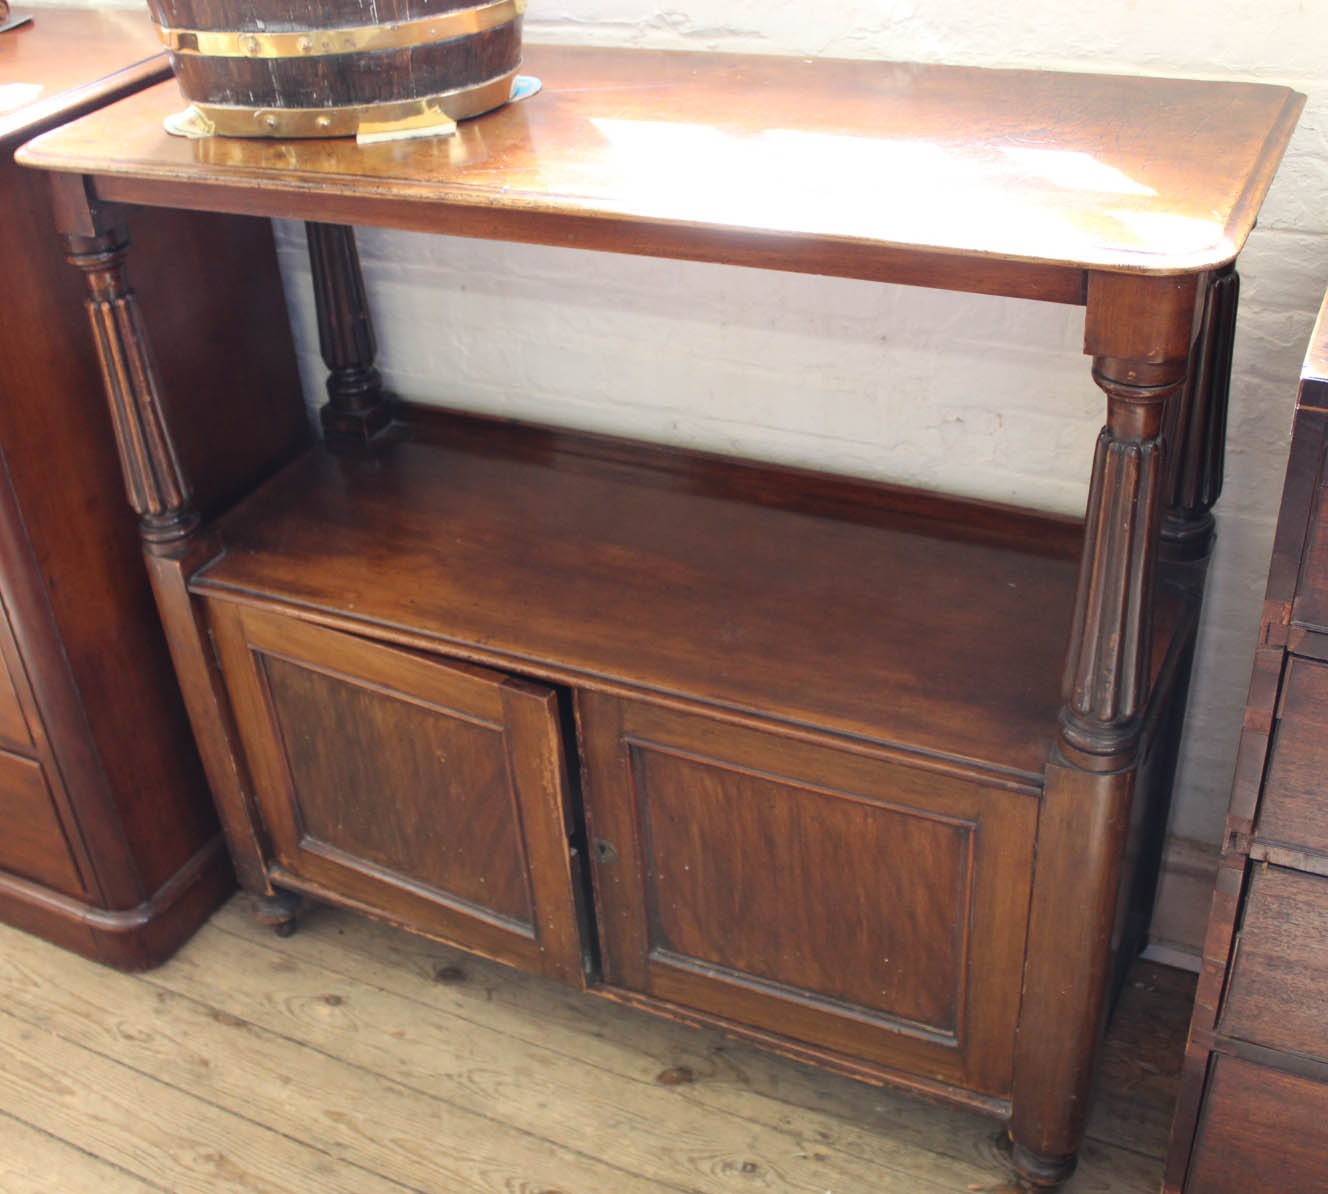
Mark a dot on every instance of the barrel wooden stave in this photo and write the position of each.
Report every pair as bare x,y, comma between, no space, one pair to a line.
343,79
282,83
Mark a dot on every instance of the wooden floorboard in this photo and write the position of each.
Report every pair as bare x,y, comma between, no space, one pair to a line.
353,1057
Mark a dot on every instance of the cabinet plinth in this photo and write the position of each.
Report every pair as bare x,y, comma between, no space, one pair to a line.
868,775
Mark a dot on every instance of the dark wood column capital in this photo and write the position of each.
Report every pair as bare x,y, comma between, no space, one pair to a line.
154,479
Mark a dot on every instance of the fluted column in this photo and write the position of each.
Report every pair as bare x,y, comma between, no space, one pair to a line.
1198,434
154,479
1139,332
357,407
173,543
1105,684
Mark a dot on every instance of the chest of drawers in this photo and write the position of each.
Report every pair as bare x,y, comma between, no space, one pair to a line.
1254,1103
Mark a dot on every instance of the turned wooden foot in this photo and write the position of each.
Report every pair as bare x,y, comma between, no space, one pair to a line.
1042,1171
279,910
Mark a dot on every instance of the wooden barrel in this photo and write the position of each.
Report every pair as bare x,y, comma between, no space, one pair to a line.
296,68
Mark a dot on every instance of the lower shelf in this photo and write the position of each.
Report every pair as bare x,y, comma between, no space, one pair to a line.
881,613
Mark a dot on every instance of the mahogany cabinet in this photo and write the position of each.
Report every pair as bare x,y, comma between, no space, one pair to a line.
873,776
110,844
434,789
1253,1112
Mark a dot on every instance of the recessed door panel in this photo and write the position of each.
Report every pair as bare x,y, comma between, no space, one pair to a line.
837,898
427,791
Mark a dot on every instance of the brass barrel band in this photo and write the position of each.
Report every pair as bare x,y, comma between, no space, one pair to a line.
349,39
230,120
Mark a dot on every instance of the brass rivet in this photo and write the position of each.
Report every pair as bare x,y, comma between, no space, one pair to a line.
306,45
323,121
250,45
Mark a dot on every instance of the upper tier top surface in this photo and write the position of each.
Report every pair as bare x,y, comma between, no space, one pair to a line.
63,58
806,156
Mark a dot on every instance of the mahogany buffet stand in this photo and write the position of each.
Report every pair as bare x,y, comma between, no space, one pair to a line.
872,776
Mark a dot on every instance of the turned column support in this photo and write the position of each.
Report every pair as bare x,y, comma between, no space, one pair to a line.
1105,684
1139,332
1198,428
155,482
357,407
97,242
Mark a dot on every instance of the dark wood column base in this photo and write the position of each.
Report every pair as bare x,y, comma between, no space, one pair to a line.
1042,1171
357,407
278,910
357,425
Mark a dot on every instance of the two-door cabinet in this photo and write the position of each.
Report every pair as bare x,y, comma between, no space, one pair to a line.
873,776
109,843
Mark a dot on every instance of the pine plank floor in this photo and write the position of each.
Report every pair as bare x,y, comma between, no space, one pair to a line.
356,1059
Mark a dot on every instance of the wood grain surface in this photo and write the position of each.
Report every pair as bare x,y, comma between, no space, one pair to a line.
378,1058
800,160
597,572
68,60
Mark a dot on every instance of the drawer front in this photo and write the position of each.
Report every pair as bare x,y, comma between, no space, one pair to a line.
837,899
1294,808
430,793
33,845
1262,1132
1278,991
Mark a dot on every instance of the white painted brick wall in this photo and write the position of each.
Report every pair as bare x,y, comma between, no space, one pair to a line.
979,395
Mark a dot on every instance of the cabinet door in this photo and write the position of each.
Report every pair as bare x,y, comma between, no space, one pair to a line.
432,793
833,897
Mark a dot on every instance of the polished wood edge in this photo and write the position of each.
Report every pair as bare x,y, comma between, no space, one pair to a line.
1297,858
778,486
64,106
1314,369
130,938
279,877
991,775
744,981
475,217
1246,208
1299,1065
938,1092
1309,642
